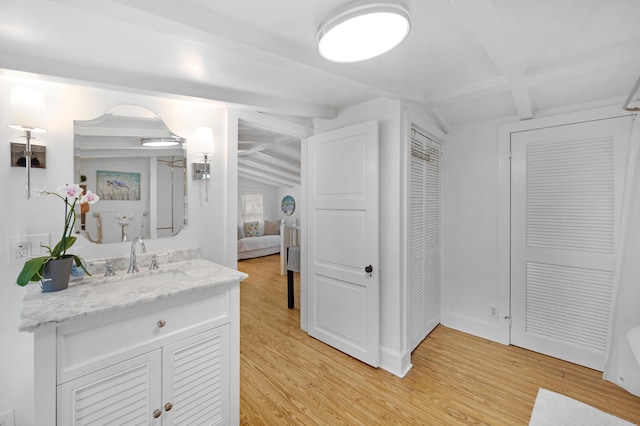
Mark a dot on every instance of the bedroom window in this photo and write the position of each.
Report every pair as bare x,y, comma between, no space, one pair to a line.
251,209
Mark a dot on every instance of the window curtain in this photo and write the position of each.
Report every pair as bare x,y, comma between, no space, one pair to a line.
251,207
621,365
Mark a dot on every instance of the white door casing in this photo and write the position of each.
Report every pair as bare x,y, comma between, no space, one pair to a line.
343,240
566,197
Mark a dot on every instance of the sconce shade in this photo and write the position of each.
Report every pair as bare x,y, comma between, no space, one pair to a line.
362,30
27,110
204,138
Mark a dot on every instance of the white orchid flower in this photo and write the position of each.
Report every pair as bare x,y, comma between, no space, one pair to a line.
89,197
70,191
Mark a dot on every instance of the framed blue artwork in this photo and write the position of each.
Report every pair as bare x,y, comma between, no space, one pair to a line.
288,205
118,185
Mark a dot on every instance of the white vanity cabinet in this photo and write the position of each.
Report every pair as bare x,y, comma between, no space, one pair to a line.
172,361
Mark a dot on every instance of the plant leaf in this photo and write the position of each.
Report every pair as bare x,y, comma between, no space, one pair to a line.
31,271
59,248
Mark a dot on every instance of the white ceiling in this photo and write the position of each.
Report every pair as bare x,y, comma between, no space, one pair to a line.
268,157
464,60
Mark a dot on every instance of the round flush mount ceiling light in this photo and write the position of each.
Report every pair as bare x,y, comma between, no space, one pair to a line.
160,142
362,30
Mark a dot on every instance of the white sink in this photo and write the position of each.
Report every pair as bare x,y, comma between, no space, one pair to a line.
140,283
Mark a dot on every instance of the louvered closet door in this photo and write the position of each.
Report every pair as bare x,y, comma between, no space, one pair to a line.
196,380
126,393
424,239
566,187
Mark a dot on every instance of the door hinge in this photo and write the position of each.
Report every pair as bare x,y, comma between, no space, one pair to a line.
510,155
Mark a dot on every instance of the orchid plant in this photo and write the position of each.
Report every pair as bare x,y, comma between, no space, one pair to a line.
71,194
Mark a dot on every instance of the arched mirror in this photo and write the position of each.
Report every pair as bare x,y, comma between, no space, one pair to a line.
137,165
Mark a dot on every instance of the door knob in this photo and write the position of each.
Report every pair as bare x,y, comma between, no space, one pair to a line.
368,269
157,413
168,406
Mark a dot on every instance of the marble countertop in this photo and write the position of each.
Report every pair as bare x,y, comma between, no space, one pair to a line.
97,294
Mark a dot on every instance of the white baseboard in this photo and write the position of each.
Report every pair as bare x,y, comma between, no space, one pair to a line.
496,330
394,362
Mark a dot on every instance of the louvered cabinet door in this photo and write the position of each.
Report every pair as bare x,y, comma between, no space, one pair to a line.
567,183
126,393
196,380
424,240
416,272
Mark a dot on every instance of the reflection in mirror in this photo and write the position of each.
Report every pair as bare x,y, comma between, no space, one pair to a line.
137,166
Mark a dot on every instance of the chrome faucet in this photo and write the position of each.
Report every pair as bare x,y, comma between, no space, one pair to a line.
133,267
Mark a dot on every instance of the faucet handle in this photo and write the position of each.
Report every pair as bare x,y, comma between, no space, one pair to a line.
154,262
109,272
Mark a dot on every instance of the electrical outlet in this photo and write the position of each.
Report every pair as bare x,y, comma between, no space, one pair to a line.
21,251
18,253
493,311
7,419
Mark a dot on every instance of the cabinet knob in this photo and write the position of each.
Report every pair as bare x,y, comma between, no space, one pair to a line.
157,413
168,406
161,323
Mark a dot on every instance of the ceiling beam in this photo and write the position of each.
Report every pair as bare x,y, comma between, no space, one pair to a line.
256,165
264,147
264,177
625,55
263,180
278,162
494,85
485,23
261,121
289,150
70,71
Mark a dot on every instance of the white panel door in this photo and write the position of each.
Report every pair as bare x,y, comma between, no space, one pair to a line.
566,193
343,243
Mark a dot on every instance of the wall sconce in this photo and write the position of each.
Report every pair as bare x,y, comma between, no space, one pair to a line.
202,171
27,113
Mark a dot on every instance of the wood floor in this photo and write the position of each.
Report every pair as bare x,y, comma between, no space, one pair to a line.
287,377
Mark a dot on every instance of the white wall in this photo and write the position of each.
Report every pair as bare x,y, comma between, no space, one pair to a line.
477,220
65,103
296,193
270,200
471,274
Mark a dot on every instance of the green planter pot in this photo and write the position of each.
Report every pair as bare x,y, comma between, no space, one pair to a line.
56,275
